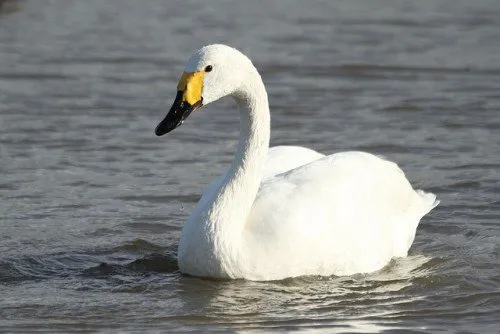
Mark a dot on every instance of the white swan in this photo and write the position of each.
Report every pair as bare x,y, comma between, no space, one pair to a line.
287,211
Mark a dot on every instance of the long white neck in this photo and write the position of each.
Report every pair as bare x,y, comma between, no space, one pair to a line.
238,191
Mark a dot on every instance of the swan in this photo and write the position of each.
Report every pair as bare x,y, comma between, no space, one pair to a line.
286,211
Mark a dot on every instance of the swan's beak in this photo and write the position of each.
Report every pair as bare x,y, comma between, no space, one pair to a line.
178,113
188,99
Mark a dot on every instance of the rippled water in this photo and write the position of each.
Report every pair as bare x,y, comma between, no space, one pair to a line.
92,202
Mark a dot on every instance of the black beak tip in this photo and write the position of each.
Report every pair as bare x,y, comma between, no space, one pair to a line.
160,131
164,128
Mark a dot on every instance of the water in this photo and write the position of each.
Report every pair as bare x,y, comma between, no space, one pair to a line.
92,202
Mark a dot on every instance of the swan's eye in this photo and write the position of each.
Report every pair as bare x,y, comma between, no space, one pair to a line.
208,68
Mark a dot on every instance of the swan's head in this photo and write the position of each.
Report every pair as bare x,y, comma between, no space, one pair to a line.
212,72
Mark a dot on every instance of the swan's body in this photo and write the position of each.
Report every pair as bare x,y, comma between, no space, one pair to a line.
290,211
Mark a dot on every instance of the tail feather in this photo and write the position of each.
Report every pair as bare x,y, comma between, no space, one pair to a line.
430,200
406,231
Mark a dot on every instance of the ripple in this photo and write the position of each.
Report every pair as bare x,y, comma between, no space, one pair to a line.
153,263
155,199
139,245
33,76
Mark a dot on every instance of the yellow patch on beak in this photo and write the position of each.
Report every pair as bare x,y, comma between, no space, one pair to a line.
191,84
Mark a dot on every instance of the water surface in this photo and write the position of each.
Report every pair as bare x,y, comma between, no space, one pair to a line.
92,203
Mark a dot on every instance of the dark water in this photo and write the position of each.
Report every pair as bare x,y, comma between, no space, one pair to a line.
92,202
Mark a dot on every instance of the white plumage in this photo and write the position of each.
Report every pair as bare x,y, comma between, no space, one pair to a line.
290,211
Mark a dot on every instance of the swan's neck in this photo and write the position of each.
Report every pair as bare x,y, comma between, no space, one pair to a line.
238,191
232,203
